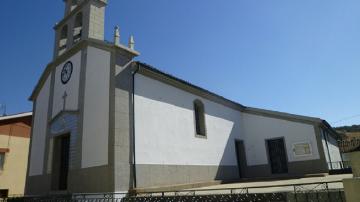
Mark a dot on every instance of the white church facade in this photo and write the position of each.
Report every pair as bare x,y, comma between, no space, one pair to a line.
104,123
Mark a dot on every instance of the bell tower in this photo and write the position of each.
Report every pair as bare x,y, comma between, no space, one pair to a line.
83,19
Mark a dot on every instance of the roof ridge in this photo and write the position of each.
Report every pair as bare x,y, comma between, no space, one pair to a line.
17,115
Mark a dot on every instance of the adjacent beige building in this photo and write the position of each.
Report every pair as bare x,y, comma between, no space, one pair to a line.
14,149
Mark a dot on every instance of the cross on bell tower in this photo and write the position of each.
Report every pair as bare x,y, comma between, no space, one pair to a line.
83,19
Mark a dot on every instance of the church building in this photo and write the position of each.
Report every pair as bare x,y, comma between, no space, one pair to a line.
103,122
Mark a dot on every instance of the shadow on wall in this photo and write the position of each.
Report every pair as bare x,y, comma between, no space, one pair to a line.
223,127
122,121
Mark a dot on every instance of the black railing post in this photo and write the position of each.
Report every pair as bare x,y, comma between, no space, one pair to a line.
340,196
295,193
317,196
327,190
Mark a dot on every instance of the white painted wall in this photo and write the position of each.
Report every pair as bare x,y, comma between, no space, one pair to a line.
96,109
323,141
39,130
71,88
258,128
334,149
331,149
165,132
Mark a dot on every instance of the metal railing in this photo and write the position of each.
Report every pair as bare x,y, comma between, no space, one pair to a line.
324,191
339,165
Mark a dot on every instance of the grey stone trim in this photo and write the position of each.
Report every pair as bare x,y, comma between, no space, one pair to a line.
49,115
154,175
75,11
111,139
27,182
82,86
119,49
123,124
124,50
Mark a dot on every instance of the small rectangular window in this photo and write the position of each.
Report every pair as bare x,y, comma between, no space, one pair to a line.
2,160
199,114
197,121
302,149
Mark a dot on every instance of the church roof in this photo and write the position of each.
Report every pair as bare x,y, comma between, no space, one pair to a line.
15,116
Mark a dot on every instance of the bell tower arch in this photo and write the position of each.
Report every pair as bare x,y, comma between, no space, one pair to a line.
83,19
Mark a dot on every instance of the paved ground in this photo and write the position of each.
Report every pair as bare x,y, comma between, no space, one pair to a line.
280,185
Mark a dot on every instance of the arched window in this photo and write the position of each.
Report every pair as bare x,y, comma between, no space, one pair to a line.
63,39
77,28
199,114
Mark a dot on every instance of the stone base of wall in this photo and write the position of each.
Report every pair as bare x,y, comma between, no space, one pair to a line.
297,168
173,175
165,175
38,185
86,180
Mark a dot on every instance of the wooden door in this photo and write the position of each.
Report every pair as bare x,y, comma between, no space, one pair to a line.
241,157
277,156
64,162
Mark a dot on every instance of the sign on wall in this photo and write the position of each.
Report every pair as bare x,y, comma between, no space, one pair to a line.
302,149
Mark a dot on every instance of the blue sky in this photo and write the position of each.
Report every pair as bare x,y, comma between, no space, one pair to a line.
300,57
